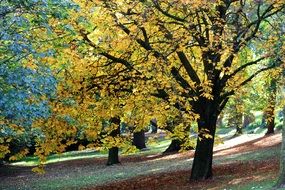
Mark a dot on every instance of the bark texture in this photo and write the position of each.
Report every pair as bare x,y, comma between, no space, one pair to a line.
203,158
154,127
113,155
139,140
270,116
174,146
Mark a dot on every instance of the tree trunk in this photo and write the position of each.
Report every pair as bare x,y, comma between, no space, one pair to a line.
153,124
238,124
139,140
270,123
113,156
235,118
270,117
281,179
263,119
220,120
202,164
248,119
174,146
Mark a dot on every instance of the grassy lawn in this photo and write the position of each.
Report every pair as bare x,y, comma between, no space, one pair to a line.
154,148
87,169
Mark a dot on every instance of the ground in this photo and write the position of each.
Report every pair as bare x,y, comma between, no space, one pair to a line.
245,162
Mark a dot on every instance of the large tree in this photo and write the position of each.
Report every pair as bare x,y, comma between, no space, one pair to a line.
186,53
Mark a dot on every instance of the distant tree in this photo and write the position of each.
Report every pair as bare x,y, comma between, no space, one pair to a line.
153,126
139,139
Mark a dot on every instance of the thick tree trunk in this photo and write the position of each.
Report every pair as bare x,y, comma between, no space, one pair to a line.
113,156
270,122
202,164
281,179
139,140
174,146
270,117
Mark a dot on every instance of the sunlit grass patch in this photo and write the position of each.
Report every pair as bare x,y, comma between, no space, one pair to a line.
153,148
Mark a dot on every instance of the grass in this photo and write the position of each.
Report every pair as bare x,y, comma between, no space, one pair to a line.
264,185
73,155
88,173
73,176
153,148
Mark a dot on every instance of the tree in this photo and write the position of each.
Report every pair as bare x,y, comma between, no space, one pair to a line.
185,53
153,125
113,156
139,139
235,114
26,82
270,109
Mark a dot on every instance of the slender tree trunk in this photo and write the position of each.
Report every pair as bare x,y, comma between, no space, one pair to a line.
153,124
270,117
270,123
281,179
263,120
238,124
220,120
113,156
247,119
235,116
139,140
202,164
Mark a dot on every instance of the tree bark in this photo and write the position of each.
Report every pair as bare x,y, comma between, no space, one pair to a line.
139,140
248,119
202,164
281,179
236,116
220,120
153,124
238,124
113,155
174,146
270,123
270,117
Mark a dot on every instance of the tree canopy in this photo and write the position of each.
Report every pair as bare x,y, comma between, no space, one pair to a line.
131,61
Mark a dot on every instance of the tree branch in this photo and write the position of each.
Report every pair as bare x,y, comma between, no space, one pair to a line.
245,66
165,13
188,67
232,92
